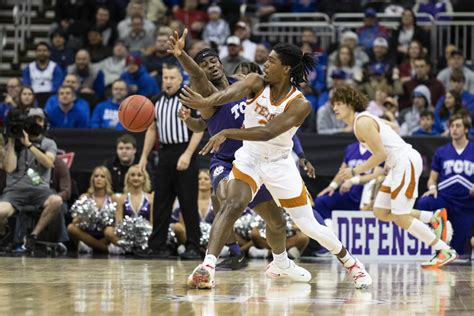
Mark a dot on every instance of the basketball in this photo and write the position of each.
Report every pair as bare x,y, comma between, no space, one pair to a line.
136,113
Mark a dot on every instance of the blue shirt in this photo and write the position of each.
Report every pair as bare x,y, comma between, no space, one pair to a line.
77,117
146,84
105,115
422,132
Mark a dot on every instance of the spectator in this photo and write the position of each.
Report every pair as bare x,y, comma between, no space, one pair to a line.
406,32
450,183
457,83
426,124
90,76
443,61
196,46
105,26
351,40
317,76
242,31
71,17
177,173
28,166
27,99
261,55
134,8
371,30
105,114
137,78
138,39
43,74
422,77
11,98
456,63
66,114
72,81
309,36
338,79
345,61
154,62
99,191
113,66
233,59
433,7
60,54
217,29
451,105
380,54
192,18
126,149
407,67
95,46
378,77
376,105
156,11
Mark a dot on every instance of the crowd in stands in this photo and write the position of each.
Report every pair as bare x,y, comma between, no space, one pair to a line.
102,51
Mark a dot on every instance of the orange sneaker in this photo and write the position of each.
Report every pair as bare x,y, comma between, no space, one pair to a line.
439,222
442,258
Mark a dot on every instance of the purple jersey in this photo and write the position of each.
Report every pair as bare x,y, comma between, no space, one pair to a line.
143,211
456,173
356,155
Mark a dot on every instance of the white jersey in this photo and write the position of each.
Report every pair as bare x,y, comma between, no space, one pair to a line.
259,111
394,145
42,80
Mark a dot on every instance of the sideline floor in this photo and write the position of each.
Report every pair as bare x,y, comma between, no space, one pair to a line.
37,286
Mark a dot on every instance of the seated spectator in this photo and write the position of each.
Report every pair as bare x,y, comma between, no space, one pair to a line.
451,105
11,98
113,66
433,7
450,184
407,67
426,124
72,81
105,26
138,39
100,191
376,105
309,36
134,8
156,11
195,46
154,61
27,99
338,80
136,201
317,76
327,122
405,33
137,78
217,29
43,74
456,63
233,59
345,61
28,165
90,76
126,149
422,77
193,18
95,46
60,54
371,30
261,55
242,31
105,114
381,55
65,113
378,77
351,40
457,83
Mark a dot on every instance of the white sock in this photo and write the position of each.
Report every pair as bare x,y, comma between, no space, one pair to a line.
281,260
426,216
425,234
348,260
440,245
210,260
304,219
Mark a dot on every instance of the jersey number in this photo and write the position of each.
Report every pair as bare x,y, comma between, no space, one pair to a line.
238,109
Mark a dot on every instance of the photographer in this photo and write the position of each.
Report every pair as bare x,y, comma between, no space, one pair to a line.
28,160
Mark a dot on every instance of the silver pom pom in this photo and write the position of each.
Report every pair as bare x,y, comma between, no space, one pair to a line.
172,241
85,210
205,233
243,225
290,227
106,216
133,233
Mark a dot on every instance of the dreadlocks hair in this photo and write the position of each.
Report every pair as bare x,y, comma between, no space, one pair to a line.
301,64
350,96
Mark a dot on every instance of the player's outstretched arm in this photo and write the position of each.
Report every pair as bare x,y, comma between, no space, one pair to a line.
247,87
294,116
197,76
196,124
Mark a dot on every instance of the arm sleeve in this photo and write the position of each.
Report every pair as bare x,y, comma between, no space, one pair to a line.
26,79
49,146
57,78
436,162
99,84
96,117
297,148
84,121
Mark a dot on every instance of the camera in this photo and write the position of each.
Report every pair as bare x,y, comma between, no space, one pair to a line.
17,121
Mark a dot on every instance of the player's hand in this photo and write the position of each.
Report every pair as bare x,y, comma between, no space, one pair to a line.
213,144
142,164
184,113
308,167
25,140
346,186
183,162
192,99
345,173
433,192
176,44
330,191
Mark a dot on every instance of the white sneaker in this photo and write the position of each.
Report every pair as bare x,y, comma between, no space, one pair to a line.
362,279
202,277
83,248
293,272
115,250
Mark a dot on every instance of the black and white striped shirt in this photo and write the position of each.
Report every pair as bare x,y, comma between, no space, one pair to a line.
171,129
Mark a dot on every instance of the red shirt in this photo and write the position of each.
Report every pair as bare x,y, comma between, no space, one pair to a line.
189,17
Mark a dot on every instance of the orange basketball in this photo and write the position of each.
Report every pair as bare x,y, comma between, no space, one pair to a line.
136,113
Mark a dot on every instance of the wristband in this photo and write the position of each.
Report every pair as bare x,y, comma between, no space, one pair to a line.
355,180
301,156
432,187
333,185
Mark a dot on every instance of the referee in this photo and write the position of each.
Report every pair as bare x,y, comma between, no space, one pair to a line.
177,172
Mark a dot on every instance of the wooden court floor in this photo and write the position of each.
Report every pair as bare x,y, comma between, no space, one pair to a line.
52,286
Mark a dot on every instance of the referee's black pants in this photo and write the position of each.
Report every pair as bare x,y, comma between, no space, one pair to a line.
170,183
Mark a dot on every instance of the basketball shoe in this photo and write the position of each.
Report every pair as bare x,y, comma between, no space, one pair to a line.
439,222
293,272
442,258
357,271
202,277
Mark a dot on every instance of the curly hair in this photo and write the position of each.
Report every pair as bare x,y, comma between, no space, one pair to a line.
108,179
301,64
146,186
350,96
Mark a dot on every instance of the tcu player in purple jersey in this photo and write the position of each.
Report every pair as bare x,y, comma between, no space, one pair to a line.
451,185
207,76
